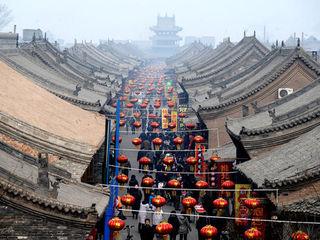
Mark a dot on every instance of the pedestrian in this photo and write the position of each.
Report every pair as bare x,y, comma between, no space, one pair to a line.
147,231
174,221
133,181
184,227
156,219
142,214
137,196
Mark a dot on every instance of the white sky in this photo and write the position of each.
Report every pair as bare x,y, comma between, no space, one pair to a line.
131,19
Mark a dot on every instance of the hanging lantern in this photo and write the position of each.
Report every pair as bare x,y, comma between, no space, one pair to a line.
190,126
114,139
127,200
147,182
122,159
157,143
158,202
198,139
134,100
182,115
174,183
189,203
122,122
178,142
122,115
137,115
253,233
214,157
154,125
202,184
129,105
116,224
220,203
137,92
122,179
171,104
169,161
167,115
163,228
172,125
191,161
123,98
145,162
252,203
157,104
143,105
209,232
137,142
300,235
137,124
152,116
127,91
228,184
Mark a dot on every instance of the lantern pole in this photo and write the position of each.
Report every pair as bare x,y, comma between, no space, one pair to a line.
114,184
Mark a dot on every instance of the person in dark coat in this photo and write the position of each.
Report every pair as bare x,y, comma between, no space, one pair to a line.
138,197
174,221
147,231
133,181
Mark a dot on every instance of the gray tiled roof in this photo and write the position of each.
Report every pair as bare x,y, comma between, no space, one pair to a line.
294,161
306,206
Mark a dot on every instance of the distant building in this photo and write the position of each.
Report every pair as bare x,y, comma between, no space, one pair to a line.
206,40
29,33
165,42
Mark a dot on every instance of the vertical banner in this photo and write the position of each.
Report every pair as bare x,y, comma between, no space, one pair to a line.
164,112
174,118
224,168
201,166
259,213
241,211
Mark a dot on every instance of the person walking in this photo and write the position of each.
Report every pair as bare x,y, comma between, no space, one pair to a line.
137,196
147,231
201,222
174,221
142,214
156,219
184,227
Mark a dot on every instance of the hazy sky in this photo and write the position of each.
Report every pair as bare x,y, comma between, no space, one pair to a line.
131,19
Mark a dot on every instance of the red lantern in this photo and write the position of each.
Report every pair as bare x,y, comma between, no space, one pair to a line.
122,179
253,233
157,104
191,161
127,200
168,160
178,142
145,162
300,235
147,182
228,184
202,184
252,203
123,98
129,105
122,115
122,159
190,126
152,116
171,104
122,122
137,115
137,142
189,203
137,124
154,125
116,224
127,91
214,157
174,183
220,203
164,228
209,232
172,125
114,139
198,139
134,100
158,201
157,143
182,115
143,105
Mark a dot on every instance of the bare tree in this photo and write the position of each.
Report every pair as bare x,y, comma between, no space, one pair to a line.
5,16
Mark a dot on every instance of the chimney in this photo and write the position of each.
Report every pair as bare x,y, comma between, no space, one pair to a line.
14,29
